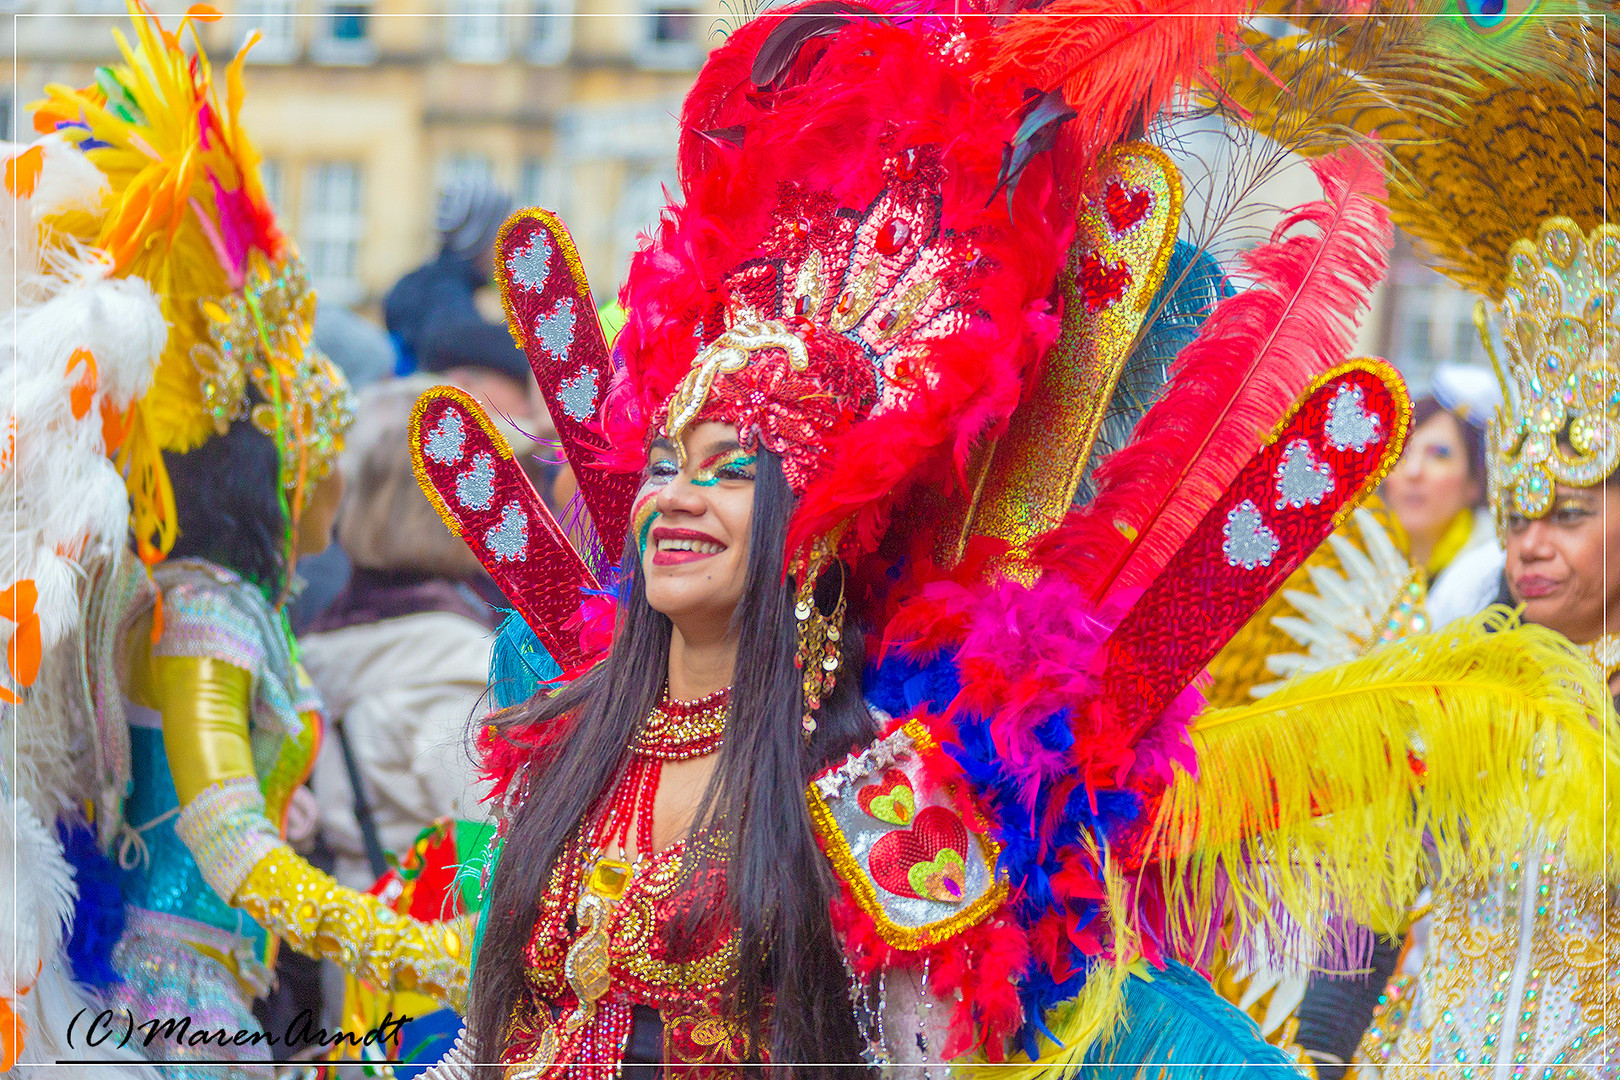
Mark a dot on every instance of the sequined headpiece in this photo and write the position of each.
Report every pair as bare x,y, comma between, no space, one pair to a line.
792,391
1561,333
188,214
835,234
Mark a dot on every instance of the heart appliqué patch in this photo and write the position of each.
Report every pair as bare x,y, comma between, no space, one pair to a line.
1248,542
475,487
578,395
1300,477
1125,207
896,854
444,442
1349,424
530,266
509,540
943,878
1102,283
555,331
891,800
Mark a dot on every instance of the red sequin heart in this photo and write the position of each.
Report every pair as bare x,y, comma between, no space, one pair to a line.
936,829
1102,283
1125,207
890,800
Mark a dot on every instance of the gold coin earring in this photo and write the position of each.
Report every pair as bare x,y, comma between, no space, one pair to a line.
821,633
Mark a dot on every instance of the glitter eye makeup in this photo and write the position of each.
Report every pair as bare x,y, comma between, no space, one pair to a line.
733,464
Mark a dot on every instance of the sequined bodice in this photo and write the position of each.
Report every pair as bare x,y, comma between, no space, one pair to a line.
1519,979
656,959
211,613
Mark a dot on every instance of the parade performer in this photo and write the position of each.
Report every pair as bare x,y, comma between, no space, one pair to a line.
1507,195
224,423
872,692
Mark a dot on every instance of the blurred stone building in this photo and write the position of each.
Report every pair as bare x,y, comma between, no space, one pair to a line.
362,110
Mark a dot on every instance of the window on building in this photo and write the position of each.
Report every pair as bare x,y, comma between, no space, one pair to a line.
547,30
344,33
330,227
464,166
273,177
671,32
540,184
277,24
639,207
6,118
477,31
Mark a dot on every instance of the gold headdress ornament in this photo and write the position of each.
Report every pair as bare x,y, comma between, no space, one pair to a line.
1504,154
186,212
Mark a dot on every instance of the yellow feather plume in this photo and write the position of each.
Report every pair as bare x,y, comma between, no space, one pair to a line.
185,209
1311,791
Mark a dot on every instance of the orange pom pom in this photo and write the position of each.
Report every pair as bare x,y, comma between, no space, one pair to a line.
26,646
22,172
85,388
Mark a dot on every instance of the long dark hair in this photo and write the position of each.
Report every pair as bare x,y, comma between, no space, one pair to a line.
777,884
228,501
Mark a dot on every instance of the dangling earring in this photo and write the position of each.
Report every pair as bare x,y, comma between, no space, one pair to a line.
820,636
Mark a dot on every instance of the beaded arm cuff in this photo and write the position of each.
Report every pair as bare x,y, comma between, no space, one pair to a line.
321,918
227,832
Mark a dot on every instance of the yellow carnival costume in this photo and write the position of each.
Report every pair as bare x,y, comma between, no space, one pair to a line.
222,723
1506,193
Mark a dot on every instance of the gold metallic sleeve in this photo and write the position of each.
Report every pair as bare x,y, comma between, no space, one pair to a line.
321,918
205,707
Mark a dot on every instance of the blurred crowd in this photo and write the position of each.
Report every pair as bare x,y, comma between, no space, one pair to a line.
395,619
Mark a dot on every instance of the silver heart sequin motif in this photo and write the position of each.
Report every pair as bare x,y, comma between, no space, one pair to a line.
556,330
578,395
1349,425
530,265
1248,542
509,541
475,488
445,440
1300,477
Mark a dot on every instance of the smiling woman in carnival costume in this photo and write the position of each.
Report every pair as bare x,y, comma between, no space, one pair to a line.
165,325
894,757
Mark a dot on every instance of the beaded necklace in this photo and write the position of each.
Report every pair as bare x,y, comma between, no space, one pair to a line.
675,731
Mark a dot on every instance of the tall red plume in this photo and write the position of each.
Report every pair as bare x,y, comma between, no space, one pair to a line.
1255,355
1118,62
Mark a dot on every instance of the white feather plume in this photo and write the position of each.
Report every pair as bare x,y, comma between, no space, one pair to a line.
60,495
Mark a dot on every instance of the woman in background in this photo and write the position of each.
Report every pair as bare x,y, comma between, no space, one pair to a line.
1438,491
402,655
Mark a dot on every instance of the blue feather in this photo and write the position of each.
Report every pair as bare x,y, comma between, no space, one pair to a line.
1193,284
98,911
518,664
1177,1018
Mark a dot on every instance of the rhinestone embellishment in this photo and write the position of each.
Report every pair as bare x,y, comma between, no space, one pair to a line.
1249,543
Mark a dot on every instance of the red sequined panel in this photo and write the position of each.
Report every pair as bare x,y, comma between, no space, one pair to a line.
467,471
550,311
1336,445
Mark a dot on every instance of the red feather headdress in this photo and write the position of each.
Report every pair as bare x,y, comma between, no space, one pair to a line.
851,185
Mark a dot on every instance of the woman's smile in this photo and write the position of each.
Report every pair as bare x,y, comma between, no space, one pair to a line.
674,546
